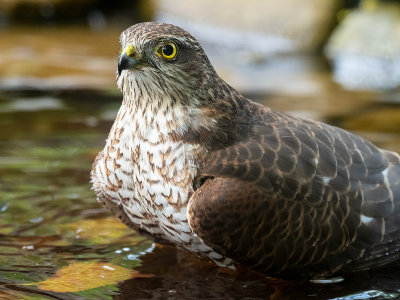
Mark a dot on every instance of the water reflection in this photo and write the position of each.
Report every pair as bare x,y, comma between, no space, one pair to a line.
49,217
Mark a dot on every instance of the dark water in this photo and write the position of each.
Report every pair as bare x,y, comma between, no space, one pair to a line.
49,217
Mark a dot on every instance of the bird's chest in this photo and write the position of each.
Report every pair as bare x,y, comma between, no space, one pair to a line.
151,174
148,170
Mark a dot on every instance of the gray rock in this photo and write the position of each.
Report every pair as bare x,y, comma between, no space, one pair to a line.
268,26
365,48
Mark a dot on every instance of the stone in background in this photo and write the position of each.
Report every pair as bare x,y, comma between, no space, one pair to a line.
365,47
273,26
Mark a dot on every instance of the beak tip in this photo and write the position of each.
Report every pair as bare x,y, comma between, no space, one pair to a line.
125,62
122,64
119,70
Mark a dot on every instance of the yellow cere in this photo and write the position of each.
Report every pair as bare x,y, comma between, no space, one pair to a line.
130,51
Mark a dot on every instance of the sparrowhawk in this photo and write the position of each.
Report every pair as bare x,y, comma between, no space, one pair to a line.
190,161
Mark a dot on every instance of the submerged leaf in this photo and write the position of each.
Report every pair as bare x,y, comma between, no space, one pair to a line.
84,276
100,231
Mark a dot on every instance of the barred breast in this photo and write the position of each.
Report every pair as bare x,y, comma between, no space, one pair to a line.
145,174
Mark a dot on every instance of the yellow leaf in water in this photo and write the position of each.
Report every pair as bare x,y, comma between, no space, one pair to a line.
101,231
85,276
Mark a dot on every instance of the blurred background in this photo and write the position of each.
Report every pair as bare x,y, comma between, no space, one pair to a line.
43,41
329,53
336,61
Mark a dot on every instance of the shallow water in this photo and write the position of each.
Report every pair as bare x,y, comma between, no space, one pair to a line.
49,217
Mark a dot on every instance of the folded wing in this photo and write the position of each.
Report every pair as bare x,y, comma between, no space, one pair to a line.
295,196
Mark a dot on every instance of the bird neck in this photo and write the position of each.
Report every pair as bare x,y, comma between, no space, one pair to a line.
210,120
162,117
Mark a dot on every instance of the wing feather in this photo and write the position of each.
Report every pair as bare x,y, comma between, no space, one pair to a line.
298,196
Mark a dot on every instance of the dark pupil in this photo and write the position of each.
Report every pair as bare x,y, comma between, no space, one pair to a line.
168,50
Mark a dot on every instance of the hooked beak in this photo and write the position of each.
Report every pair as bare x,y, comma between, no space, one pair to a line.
127,59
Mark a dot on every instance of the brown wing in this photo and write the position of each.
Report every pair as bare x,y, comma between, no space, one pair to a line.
299,197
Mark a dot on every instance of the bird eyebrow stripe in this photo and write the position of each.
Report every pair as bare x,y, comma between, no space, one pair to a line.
179,40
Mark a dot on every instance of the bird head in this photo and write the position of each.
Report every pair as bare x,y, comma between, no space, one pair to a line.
163,68
162,60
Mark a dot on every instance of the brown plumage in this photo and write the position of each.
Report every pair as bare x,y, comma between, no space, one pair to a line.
191,161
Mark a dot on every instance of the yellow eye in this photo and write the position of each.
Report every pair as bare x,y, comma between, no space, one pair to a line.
168,51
